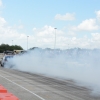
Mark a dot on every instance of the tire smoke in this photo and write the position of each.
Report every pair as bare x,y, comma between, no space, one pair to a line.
81,65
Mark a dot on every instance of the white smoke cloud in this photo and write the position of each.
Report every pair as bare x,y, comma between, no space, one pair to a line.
81,65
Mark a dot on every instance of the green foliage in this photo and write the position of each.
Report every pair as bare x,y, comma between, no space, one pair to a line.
4,47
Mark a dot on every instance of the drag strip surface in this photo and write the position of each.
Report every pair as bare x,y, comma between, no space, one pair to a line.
28,86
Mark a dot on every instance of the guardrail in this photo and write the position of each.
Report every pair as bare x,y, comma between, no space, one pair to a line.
5,95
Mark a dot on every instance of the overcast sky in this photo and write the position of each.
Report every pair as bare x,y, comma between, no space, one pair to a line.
77,23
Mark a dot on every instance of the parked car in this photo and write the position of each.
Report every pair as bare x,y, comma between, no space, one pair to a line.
7,52
5,59
18,51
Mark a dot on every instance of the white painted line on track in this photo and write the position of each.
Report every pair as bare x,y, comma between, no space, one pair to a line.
23,88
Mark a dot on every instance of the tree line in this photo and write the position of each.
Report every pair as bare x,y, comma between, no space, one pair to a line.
4,47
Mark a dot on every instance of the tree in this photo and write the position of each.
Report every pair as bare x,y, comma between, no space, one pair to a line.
4,47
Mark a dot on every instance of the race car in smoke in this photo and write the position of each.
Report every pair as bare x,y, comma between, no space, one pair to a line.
5,59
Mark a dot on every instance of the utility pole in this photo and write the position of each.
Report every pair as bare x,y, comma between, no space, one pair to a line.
12,42
55,39
27,42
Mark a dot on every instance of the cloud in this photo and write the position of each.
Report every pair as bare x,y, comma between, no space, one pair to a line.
96,36
20,26
67,16
0,3
98,14
44,37
34,29
46,31
2,21
8,33
87,25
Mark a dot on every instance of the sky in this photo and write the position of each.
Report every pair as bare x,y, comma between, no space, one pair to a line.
32,23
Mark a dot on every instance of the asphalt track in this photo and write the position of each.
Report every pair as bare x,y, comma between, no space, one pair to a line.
28,86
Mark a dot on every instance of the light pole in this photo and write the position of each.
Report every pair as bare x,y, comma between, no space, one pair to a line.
27,42
12,42
55,39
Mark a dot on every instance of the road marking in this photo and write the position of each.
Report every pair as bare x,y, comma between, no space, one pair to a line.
69,96
23,88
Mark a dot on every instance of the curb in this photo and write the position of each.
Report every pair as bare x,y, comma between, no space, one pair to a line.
5,95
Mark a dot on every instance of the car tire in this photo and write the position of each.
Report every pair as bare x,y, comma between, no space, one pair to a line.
3,65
